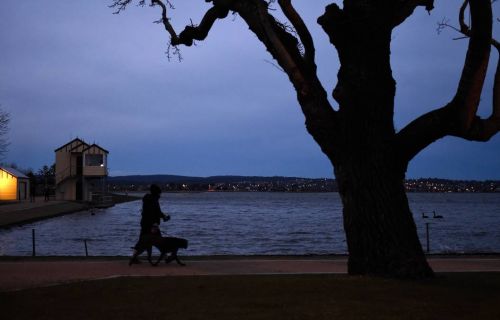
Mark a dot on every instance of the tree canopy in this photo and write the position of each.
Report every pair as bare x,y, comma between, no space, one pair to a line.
369,156
4,129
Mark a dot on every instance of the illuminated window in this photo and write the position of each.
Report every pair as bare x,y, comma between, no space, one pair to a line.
94,160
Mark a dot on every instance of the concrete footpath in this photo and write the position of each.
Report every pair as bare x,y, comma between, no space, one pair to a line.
22,212
22,273
26,211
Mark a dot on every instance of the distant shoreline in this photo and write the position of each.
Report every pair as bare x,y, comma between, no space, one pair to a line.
171,183
130,193
15,214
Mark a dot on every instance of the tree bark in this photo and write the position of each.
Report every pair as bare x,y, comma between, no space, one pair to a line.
380,230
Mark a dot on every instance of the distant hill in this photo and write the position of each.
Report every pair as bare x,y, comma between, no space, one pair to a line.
282,184
167,178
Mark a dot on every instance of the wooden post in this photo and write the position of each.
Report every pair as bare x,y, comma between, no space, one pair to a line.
427,236
33,240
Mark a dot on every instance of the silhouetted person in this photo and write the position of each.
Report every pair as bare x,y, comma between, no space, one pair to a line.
46,193
151,214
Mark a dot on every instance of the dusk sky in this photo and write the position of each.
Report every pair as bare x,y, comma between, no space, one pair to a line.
71,68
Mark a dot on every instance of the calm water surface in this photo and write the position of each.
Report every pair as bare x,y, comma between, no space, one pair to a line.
256,223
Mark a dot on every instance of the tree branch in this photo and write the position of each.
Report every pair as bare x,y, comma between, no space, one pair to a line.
458,118
201,31
282,45
191,33
4,129
466,100
406,8
463,27
319,114
165,20
484,129
301,28
120,5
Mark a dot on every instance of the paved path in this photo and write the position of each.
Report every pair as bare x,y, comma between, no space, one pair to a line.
26,211
26,273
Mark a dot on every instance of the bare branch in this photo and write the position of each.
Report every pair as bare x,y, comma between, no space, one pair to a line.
458,118
121,5
301,28
445,23
4,129
274,65
173,50
464,28
283,47
469,89
496,90
484,129
279,41
278,44
164,18
200,32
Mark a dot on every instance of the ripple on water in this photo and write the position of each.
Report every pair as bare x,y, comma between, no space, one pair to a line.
256,223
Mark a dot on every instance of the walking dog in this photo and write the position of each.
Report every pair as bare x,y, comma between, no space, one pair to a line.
163,244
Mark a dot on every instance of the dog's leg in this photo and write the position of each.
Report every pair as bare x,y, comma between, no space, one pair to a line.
170,258
159,259
176,258
179,261
173,256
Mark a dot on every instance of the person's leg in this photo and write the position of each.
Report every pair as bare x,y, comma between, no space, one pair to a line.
139,247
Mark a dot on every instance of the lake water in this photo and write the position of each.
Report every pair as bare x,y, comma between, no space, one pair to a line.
256,223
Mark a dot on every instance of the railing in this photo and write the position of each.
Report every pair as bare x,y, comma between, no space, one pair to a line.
34,244
71,172
100,199
65,174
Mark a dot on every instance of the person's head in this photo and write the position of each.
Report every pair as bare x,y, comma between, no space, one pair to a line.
155,190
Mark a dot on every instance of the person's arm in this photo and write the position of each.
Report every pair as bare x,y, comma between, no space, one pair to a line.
165,217
160,214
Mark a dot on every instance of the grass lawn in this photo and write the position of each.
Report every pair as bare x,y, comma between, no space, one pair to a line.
449,296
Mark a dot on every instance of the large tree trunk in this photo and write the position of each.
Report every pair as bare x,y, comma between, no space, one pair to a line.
381,234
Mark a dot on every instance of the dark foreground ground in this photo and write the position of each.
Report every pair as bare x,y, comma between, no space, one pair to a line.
287,296
466,287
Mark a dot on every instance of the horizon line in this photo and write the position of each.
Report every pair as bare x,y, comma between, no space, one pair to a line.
283,176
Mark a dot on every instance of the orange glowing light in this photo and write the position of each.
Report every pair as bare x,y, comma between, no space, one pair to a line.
8,186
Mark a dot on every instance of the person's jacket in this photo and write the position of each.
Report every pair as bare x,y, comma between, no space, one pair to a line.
151,211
